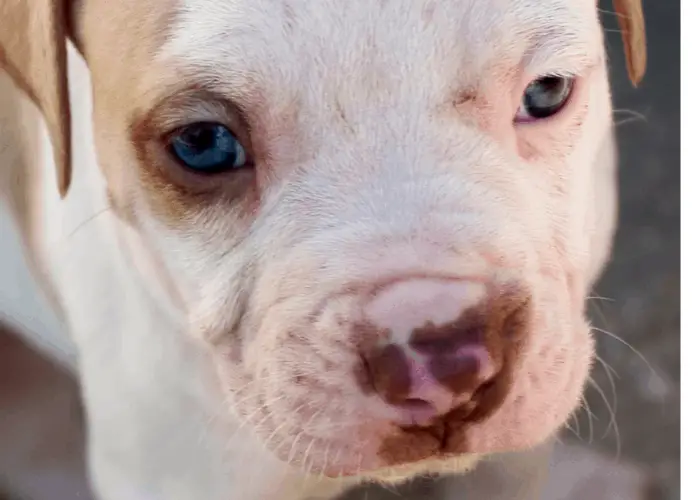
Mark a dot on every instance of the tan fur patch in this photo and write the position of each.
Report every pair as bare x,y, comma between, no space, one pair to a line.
176,193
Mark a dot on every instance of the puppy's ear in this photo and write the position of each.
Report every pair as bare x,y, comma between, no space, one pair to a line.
631,19
33,52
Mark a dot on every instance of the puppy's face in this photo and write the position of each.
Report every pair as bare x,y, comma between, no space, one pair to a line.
378,214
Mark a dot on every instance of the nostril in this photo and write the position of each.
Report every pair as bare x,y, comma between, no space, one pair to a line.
463,371
423,386
467,360
390,374
417,404
403,379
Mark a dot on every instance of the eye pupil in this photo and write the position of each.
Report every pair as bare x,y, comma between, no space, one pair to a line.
545,97
199,138
207,148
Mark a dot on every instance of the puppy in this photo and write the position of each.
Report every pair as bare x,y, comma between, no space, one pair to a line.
295,245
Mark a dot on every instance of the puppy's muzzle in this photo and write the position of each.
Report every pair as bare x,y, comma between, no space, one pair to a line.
445,348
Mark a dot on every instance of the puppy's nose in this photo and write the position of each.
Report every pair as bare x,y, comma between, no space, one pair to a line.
446,339
421,387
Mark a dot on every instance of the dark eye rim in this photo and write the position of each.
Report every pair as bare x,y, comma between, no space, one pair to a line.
573,84
167,141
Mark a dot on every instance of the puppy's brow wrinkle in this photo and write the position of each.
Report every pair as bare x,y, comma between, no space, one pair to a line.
464,97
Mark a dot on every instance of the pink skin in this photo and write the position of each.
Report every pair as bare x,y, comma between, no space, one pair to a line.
428,398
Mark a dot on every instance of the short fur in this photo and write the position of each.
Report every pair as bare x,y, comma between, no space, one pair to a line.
213,323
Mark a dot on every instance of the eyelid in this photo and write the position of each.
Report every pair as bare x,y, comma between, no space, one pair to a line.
183,114
185,107
178,111
580,70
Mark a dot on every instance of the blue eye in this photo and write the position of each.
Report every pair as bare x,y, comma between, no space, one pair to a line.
208,148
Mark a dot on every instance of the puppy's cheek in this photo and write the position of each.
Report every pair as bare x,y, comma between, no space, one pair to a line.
548,144
121,207
297,415
547,390
553,365
554,139
292,383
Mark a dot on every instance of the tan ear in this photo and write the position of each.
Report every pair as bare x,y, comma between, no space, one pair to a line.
630,16
33,52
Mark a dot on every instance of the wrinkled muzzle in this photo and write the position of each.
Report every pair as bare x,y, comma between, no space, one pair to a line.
412,313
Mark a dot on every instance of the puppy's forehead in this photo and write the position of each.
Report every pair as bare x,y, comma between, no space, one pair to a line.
251,43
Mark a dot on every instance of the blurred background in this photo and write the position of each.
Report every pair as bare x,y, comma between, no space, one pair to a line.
638,309
643,279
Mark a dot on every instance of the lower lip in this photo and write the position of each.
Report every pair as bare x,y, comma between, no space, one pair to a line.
416,413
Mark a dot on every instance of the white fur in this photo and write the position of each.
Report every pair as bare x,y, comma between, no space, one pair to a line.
403,176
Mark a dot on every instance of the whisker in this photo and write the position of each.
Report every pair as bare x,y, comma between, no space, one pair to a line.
611,13
358,467
599,310
626,121
631,112
328,426
632,117
304,466
284,424
243,424
587,407
390,487
325,459
577,428
85,222
568,427
598,297
290,454
613,419
258,427
610,372
272,435
627,344
608,369
287,465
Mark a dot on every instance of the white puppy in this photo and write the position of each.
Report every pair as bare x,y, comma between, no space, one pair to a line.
312,242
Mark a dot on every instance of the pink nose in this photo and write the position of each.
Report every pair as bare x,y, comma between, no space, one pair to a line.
447,340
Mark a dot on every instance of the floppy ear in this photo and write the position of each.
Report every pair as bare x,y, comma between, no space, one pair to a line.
33,52
631,19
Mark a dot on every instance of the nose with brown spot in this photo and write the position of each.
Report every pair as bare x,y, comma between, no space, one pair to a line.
439,358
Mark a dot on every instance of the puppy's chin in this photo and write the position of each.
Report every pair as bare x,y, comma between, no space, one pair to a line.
431,466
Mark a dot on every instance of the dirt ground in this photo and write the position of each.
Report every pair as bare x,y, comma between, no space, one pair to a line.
641,289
